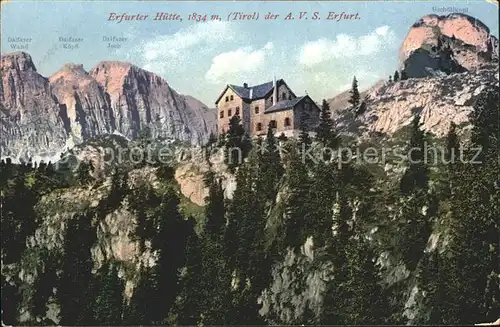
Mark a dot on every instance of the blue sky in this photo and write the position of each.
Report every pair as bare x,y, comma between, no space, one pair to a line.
200,58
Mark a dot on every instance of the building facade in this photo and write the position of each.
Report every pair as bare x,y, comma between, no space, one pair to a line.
269,103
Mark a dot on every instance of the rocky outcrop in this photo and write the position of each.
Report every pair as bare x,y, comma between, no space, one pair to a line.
142,99
88,107
447,44
191,170
438,100
43,117
32,121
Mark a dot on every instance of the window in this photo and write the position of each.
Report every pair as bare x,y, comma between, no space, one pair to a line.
227,98
221,114
290,96
273,124
287,122
237,111
258,127
283,96
232,97
229,112
257,110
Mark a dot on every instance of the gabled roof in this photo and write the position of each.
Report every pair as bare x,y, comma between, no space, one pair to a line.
287,104
284,104
252,92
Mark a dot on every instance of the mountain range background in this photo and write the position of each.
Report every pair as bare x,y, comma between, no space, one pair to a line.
44,116
201,242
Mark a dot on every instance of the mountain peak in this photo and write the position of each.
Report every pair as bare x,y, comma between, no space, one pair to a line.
444,42
17,60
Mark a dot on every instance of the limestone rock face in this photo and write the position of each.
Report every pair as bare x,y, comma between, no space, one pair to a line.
32,121
438,100
142,99
41,118
452,43
88,107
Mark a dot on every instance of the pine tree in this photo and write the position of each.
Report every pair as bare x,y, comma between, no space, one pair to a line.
417,206
270,164
139,311
108,304
245,243
10,303
83,173
297,211
472,254
43,286
189,309
73,293
237,143
325,133
363,302
396,76
214,207
355,96
404,76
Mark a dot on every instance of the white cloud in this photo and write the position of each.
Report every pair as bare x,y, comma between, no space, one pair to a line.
345,46
165,51
242,60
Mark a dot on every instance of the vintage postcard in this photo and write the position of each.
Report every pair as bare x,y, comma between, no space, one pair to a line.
249,163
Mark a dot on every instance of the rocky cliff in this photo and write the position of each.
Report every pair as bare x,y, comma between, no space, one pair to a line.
439,100
445,44
42,117
448,60
141,99
32,120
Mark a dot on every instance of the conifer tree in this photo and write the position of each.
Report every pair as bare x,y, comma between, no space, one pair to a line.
325,131
139,311
396,76
83,172
270,163
10,303
245,243
108,304
472,259
297,211
216,278
214,207
190,307
404,75
417,206
237,143
43,286
73,294
355,96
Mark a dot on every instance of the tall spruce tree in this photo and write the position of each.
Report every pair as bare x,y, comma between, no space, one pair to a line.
108,303
270,164
216,277
355,96
472,258
396,76
245,243
297,204
325,133
417,206
73,294
190,307
237,143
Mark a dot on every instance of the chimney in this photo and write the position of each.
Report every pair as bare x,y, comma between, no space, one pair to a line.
245,85
275,91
